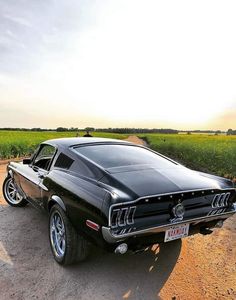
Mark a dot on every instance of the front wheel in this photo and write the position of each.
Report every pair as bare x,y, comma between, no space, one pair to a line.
67,246
11,193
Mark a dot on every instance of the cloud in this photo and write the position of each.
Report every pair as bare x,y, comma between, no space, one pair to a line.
18,20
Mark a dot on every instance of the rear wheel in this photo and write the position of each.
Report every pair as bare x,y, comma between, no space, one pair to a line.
11,193
67,246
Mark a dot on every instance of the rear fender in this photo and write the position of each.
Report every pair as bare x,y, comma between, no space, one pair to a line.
56,200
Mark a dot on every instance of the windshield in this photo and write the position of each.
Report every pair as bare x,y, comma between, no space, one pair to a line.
112,156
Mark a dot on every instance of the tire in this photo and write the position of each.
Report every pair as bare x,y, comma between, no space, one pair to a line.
11,194
66,245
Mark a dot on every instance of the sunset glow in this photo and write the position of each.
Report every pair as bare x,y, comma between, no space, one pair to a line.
118,63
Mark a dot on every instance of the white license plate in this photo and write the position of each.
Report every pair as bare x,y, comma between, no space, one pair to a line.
176,232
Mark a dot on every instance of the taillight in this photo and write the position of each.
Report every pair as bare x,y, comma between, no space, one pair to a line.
123,216
130,218
220,200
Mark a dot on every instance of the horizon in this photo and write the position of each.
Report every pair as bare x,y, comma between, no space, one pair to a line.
92,128
136,64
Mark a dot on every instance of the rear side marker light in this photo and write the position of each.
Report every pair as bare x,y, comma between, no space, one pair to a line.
92,225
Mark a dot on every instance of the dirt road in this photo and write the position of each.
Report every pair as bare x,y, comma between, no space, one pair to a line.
199,267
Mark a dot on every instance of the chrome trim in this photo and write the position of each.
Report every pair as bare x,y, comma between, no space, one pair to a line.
220,200
112,238
132,211
216,211
215,200
227,199
116,219
121,222
164,194
122,216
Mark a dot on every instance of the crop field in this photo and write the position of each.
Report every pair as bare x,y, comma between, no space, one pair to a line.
208,153
23,143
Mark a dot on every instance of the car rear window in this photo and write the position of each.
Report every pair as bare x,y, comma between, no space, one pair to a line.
112,156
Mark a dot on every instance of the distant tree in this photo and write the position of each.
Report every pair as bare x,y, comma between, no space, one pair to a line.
36,129
89,129
112,130
73,129
61,129
231,132
138,130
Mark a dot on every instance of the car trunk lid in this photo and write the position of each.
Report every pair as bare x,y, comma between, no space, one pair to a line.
153,181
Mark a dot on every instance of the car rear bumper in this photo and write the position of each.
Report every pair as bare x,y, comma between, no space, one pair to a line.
110,237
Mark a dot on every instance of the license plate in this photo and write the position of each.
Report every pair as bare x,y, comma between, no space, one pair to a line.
176,232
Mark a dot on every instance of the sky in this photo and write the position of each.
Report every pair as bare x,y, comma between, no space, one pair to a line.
118,63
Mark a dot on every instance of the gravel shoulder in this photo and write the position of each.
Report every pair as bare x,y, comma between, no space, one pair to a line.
198,267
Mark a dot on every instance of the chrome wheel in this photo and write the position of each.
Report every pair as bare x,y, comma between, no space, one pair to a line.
57,234
67,245
12,193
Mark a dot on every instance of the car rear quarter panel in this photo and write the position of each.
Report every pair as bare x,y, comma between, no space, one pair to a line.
83,200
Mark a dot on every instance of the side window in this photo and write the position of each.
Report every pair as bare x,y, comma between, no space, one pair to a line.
63,161
44,157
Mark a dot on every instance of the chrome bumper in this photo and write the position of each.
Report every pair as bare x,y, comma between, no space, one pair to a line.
113,238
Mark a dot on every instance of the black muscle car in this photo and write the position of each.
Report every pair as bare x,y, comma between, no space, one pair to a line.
115,194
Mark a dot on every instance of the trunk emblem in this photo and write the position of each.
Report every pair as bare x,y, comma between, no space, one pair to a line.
178,211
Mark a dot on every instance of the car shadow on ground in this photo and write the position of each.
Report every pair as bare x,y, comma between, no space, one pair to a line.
135,276
29,270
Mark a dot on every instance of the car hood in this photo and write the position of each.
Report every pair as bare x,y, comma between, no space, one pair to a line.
153,181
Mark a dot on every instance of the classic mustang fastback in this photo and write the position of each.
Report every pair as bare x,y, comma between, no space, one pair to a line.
116,195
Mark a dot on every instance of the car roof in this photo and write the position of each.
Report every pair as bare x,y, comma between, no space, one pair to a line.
69,142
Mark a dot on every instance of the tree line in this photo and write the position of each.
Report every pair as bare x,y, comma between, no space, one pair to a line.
123,130
92,129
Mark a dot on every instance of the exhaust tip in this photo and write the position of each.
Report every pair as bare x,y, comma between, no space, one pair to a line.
121,249
219,224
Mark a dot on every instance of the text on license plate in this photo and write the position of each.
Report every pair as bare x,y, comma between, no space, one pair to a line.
176,232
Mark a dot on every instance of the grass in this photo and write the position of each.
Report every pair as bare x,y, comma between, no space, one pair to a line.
23,143
209,153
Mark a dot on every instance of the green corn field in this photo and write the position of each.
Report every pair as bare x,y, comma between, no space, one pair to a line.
208,153
23,143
